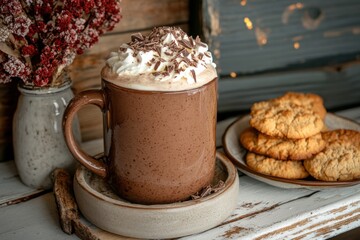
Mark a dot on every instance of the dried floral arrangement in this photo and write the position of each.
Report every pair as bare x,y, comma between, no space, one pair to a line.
40,38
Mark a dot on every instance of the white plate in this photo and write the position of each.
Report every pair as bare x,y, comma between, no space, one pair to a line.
102,207
236,153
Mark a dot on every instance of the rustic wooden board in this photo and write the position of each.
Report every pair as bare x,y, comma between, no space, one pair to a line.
256,36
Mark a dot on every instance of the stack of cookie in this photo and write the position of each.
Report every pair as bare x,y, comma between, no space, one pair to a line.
284,131
288,139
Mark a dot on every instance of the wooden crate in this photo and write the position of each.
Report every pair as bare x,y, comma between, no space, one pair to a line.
138,16
265,48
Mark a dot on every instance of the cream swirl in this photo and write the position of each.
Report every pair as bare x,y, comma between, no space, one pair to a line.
168,54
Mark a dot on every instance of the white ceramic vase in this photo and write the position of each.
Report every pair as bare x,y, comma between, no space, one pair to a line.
38,140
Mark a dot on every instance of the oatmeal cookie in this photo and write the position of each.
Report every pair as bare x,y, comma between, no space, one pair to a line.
308,100
340,161
281,148
276,168
284,119
343,135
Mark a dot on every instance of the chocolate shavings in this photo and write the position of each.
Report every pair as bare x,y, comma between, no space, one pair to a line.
208,190
177,50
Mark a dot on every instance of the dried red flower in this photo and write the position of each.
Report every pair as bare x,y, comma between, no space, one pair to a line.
28,50
43,37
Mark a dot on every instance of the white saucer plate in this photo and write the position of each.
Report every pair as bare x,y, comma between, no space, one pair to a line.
103,208
236,153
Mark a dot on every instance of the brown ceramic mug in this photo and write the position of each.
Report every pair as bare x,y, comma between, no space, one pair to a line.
159,146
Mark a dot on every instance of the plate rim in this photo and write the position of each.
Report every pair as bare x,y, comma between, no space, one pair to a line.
265,178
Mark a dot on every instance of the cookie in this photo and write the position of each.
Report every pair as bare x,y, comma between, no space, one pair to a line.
342,135
340,161
281,148
276,168
308,100
284,119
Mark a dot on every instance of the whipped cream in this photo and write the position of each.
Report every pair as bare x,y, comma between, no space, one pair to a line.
166,59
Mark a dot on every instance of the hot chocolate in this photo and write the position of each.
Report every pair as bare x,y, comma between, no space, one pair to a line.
159,98
165,142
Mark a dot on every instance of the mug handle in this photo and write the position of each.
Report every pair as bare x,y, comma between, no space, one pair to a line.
94,97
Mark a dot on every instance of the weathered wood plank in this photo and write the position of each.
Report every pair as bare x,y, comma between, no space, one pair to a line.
256,36
295,217
32,220
256,199
307,216
338,88
12,190
153,13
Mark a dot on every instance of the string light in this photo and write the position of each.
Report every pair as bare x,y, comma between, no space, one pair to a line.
233,74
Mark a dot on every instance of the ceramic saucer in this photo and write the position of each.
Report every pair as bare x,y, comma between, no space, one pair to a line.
103,208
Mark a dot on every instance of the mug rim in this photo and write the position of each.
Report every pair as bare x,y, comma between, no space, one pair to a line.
103,80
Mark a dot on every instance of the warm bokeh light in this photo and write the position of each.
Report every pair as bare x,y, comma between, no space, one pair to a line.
294,6
290,10
261,36
243,2
233,74
248,23
296,45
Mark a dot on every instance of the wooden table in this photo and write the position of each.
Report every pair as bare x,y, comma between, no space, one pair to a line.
263,211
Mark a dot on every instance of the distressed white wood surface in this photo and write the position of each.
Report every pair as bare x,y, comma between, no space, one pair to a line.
32,220
263,211
13,191
266,212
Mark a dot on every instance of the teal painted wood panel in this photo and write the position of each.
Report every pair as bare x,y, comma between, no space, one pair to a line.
338,88
253,36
